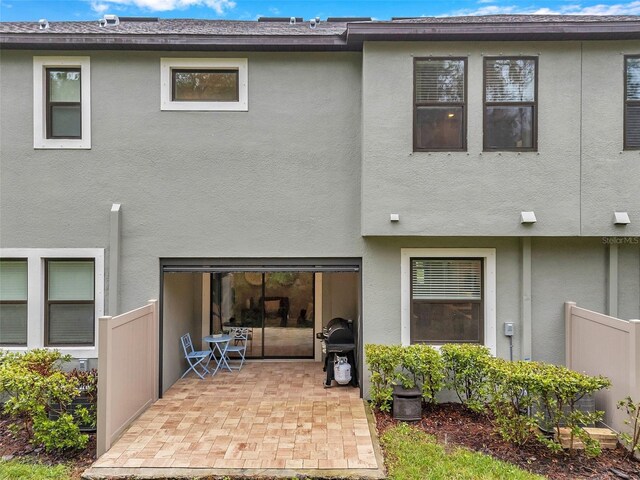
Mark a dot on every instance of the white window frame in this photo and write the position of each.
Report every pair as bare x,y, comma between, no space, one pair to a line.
36,258
488,285
40,140
168,64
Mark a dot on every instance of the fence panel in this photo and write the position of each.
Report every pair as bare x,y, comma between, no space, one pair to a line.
127,370
598,344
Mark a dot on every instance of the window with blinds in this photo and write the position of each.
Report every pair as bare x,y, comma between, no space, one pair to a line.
632,103
440,98
13,302
447,300
70,302
510,103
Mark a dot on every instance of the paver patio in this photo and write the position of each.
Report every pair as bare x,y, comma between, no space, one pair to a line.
270,415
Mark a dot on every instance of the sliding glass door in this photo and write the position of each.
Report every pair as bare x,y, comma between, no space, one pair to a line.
277,307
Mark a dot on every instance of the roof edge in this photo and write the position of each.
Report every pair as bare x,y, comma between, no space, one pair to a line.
174,42
623,30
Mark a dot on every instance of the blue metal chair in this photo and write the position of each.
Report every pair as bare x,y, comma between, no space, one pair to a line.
194,358
238,343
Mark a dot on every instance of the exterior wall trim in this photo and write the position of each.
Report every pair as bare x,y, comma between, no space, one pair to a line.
239,64
40,140
489,280
35,289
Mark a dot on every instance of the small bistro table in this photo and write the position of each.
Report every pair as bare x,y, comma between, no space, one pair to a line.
219,344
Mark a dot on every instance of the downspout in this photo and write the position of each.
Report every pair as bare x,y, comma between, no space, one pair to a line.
114,260
526,312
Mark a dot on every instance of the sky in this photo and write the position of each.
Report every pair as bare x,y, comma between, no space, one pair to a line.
52,10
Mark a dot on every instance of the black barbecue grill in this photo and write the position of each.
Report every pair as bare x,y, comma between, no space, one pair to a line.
337,340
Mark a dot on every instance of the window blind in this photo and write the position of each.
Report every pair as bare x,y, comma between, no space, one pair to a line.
13,324
13,280
441,279
510,80
70,280
633,79
439,81
633,125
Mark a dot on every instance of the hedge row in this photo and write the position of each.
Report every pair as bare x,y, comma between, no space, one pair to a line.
519,394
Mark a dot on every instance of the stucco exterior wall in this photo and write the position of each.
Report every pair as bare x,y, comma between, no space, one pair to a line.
284,179
574,182
182,314
279,180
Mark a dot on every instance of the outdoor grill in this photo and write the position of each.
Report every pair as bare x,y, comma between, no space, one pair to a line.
337,340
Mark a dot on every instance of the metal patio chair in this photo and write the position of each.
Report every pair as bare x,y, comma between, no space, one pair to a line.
238,343
194,357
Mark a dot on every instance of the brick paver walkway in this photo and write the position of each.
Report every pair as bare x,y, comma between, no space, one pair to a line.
268,416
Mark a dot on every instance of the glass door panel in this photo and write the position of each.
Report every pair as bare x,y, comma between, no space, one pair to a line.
289,314
236,302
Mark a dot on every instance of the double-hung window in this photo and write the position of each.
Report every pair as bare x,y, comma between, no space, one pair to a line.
510,103
447,303
61,102
70,302
13,302
440,92
209,84
51,297
632,102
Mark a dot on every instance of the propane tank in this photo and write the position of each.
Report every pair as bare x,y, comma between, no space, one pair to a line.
341,370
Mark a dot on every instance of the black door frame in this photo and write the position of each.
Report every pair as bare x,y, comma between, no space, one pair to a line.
261,264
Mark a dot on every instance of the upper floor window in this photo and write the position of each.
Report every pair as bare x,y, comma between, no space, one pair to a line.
61,102
13,302
204,84
632,103
64,115
510,103
440,90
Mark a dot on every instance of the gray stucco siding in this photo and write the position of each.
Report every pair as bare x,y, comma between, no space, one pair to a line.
279,180
482,193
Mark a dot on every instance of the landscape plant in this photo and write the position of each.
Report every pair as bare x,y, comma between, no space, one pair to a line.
558,391
466,366
512,388
34,386
422,366
631,440
384,362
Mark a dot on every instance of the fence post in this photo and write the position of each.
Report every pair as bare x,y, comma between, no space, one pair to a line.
634,368
155,368
103,435
568,333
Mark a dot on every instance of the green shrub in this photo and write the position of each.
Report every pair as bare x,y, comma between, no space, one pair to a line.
422,367
632,409
466,366
35,386
62,433
558,391
384,362
512,387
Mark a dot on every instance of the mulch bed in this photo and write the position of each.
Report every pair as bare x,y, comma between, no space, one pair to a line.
17,446
454,425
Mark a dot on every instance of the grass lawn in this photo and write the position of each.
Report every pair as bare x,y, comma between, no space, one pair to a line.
16,470
412,454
